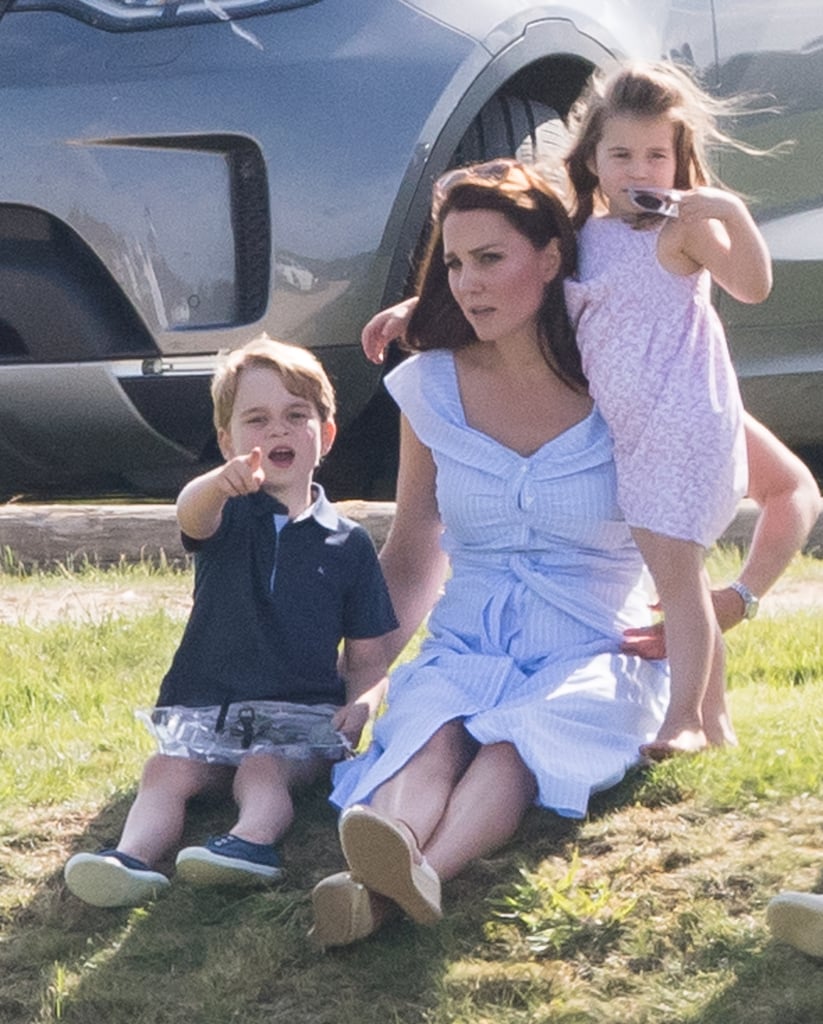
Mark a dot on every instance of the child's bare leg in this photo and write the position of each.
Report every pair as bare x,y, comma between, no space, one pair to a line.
691,632
262,788
717,722
155,822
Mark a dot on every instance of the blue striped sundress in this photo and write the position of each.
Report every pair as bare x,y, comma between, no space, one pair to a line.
523,645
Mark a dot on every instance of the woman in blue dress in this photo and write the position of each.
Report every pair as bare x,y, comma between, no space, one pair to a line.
521,693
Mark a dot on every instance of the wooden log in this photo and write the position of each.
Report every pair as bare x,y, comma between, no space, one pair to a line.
46,535
38,535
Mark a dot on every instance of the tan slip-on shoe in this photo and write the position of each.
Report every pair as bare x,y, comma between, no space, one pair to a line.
381,855
343,912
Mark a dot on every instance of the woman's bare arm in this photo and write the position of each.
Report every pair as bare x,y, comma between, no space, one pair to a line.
790,503
413,562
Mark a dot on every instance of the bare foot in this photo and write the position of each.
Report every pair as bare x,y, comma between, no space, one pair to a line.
717,722
687,741
719,733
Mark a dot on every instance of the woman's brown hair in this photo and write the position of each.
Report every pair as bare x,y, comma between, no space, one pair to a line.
529,204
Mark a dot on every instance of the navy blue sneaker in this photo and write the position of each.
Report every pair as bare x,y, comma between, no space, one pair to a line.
112,879
229,860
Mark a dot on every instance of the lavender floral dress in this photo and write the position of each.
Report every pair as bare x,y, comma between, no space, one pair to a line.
655,354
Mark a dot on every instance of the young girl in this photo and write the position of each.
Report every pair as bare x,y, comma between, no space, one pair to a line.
654,352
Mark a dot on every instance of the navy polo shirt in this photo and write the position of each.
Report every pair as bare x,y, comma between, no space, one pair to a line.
272,604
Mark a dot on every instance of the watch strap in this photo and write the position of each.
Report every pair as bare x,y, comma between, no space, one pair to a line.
750,600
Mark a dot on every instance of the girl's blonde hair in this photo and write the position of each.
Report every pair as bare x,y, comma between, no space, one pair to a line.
301,372
649,89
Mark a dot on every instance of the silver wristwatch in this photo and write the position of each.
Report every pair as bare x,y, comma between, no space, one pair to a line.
750,601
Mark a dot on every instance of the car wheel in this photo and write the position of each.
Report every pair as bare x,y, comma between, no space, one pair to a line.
363,462
517,126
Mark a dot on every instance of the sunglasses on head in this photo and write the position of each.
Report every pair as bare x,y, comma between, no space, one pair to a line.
494,172
660,201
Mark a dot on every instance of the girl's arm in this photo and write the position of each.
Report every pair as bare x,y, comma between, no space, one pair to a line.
384,327
412,560
720,234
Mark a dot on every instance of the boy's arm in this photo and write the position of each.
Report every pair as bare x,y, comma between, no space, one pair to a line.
364,665
200,503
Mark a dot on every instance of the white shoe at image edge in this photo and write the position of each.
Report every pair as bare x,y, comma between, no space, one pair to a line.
797,918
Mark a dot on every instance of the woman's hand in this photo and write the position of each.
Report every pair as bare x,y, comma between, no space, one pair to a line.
790,503
649,642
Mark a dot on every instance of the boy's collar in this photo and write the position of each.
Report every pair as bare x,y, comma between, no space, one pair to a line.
321,509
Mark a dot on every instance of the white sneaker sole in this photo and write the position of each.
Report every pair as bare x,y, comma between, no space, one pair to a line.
198,865
106,882
797,918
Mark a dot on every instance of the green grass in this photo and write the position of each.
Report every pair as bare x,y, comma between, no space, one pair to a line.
652,910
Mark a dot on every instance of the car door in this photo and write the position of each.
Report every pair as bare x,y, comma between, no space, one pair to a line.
774,52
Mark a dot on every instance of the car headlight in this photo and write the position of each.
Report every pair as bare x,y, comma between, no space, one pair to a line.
126,15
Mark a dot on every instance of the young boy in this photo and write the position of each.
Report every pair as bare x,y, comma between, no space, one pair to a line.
253,702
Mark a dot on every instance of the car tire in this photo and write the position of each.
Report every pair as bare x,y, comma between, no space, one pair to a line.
517,126
363,462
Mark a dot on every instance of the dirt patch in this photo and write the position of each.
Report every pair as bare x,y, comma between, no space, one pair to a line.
38,602
792,595
35,603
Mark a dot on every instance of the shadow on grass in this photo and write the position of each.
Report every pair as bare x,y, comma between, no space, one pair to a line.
220,955
216,956
775,985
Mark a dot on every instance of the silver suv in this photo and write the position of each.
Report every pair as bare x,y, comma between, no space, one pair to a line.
176,177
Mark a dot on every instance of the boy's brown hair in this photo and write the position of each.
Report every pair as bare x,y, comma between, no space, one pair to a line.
301,372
